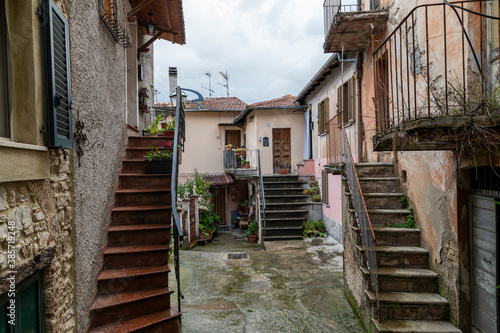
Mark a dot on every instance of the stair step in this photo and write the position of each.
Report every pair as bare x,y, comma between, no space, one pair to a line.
122,306
381,200
139,152
155,141
414,326
135,255
384,217
404,279
410,306
393,236
399,256
378,184
111,281
281,238
162,321
143,181
135,249
142,197
284,231
139,234
140,208
374,169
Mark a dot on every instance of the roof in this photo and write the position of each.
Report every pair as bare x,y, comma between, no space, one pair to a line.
211,104
284,101
320,76
219,179
167,14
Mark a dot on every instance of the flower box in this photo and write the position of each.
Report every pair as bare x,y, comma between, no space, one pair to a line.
158,166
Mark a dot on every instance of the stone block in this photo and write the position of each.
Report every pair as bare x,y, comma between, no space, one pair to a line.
38,216
27,249
28,231
26,219
3,232
3,199
43,239
11,198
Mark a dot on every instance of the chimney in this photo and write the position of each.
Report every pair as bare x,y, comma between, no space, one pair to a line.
172,79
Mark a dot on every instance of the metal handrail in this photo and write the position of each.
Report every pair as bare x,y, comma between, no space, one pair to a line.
179,137
261,182
362,219
332,8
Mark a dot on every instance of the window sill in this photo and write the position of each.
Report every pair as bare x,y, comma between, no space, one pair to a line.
322,134
350,124
11,144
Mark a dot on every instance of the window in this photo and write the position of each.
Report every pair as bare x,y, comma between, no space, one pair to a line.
323,115
324,187
60,126
4,96
28,307
345,102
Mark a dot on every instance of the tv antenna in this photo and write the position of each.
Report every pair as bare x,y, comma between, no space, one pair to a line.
225,76
210,91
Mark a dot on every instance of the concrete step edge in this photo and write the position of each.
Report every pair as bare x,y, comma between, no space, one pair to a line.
415,326
398,297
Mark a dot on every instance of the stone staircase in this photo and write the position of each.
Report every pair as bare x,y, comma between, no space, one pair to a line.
133,293
286,207
408,289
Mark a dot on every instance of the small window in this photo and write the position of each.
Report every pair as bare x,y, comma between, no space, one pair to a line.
345,102
4,95
324,187
323,115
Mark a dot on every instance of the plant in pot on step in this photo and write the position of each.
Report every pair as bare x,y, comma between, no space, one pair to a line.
251,231
316,197
283,169
168,127
154,129
158,160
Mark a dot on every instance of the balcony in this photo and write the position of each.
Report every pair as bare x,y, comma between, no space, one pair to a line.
242,162
434,89
348,27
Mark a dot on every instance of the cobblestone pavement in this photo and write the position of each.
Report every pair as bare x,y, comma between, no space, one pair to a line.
292,286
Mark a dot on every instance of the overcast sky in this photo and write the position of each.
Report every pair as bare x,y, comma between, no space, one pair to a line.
268,47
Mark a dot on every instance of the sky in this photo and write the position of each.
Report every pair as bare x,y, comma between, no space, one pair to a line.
269,48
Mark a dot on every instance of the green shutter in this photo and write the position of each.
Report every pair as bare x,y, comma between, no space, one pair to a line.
60,126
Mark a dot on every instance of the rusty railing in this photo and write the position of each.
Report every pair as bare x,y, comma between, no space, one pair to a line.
335,146
362,218
241,160
332,8
426,70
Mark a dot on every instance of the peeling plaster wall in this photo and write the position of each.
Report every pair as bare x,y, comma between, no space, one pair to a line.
98,67
432,190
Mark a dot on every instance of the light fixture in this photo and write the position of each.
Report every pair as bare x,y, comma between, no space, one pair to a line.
173,97
151,25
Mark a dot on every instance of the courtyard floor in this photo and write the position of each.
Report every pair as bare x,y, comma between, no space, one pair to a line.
292,286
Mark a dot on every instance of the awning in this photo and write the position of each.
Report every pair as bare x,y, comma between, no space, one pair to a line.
167,14
220,179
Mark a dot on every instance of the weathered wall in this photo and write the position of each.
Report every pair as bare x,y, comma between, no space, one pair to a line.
99,96
42,212
432,190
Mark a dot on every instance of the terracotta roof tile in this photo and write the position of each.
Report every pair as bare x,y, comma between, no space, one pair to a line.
287,100
214,103
219,179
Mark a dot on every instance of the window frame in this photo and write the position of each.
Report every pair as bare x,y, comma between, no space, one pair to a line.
323,115
324,188
346,102
4,62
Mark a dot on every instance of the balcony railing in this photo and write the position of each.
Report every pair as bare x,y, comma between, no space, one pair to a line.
241,161
432,65
332,8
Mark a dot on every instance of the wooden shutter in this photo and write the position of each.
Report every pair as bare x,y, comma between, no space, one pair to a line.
351,100
326,116
339,105
60,126
321,117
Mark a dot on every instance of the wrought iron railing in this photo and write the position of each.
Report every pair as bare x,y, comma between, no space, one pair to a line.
262,196
114,17
241,160
425,70
332,8
362,219
179,139
335,146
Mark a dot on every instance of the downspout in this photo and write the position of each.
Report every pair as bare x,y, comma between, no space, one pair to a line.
359,70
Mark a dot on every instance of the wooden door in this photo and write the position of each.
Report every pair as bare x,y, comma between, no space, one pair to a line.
484,278
219,200
233,138
281,149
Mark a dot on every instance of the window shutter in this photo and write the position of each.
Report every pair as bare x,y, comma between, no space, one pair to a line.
321,117
351,100
60,125
327,113
339,105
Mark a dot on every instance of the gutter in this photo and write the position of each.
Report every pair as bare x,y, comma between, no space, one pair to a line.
328,66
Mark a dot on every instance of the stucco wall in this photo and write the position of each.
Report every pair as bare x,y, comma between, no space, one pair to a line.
99,95
262,126
205,141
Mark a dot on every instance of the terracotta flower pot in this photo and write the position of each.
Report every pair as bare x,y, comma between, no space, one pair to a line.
252,238
283,171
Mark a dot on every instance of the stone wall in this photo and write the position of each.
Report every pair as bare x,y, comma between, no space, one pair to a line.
43,214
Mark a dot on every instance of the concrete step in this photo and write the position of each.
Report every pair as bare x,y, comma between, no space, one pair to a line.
385,217
283,231
284,222
393,236
112,281
288,198
375,169
282,238
413,326
283,191
403,279
280,178
135,256
142,197
154,141
378,184
125,216
410,306
399,256
286,205
381,200
161,321
141,234
285,184
143,181
284,214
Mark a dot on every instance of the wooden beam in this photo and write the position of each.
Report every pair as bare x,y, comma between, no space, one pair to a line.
144,48
139,7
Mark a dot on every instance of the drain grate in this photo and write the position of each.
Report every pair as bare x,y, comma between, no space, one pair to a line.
236,256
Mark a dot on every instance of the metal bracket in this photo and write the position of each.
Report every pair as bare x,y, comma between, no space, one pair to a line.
81,139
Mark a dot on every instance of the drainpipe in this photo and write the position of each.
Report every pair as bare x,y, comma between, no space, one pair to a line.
359,70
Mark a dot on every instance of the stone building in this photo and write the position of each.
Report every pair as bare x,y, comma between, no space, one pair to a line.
75,79
424,142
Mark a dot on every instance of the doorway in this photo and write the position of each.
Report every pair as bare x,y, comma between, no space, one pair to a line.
219,200
281,149
233,137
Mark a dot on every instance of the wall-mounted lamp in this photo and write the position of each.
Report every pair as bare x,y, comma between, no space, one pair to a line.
250,119
151,25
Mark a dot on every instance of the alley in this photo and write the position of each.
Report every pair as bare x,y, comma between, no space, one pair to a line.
293,286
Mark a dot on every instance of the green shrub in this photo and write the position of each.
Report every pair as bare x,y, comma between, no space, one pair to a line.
252,229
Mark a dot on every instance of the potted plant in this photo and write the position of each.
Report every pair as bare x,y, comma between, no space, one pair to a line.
154,129
320,226
158,161
316,198
283,169
228,147
251,231
168,127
